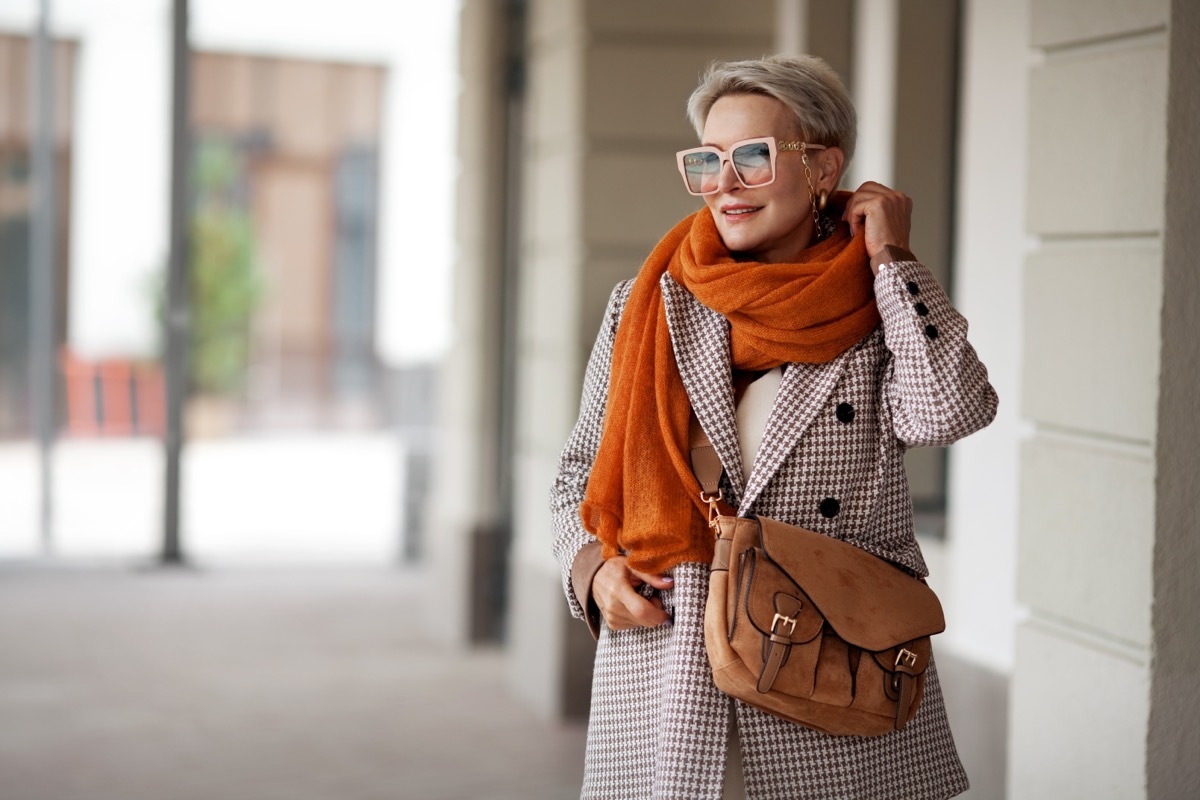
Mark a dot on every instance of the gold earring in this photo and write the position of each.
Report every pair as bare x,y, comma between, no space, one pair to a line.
822,200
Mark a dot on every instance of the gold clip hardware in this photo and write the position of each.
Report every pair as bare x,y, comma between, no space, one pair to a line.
791,623
713,511
908,657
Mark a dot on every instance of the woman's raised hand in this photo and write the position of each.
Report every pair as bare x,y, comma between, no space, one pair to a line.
615,591
884,214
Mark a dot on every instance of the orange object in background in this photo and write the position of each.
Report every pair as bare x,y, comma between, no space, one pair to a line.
150,409
112,397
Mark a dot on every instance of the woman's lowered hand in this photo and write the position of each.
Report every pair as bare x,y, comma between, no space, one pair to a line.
884,214
615,591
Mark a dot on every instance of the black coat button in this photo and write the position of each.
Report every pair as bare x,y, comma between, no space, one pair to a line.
830,507
921,309
845,412
931,331
912,287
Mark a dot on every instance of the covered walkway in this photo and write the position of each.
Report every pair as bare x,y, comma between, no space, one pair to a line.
254,685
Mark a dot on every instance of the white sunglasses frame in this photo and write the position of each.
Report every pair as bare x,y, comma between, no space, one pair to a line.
773,148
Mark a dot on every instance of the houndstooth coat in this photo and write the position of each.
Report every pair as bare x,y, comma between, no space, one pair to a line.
831,460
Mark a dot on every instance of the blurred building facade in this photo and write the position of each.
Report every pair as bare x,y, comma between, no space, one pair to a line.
322,233
299,118
303,137
16,206
1051,150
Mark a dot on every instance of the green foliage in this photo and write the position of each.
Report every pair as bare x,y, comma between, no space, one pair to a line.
225,290
224,284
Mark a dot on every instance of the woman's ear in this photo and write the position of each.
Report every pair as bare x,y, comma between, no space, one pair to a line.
829,172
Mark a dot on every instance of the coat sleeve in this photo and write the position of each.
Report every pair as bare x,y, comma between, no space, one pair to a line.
577,551
937,389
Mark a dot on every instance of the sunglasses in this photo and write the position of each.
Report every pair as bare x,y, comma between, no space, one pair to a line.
753,162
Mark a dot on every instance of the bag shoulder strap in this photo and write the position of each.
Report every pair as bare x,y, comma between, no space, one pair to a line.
706,464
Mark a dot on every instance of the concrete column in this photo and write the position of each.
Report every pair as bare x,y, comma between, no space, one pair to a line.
925,81
977,579
1173,739
608,85
819,29
791,26
876,41
1108,367
464,510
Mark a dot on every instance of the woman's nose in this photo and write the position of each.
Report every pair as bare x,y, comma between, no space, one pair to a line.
728,178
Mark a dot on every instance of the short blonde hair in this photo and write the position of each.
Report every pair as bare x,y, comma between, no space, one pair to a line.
806,85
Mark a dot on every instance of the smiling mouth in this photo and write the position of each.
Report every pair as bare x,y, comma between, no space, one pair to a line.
737,212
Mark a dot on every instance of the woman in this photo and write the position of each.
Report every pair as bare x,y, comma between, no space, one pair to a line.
813,348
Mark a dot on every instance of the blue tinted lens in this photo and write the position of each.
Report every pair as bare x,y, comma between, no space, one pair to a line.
701,170
753,163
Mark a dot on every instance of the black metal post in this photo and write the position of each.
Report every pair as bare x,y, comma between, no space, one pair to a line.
177,317
43,268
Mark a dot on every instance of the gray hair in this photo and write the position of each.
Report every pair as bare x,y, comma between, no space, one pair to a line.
806,85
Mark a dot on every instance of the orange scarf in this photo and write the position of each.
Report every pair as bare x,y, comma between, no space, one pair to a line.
642,498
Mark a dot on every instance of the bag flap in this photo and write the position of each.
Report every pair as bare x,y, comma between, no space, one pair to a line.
775,604
871,603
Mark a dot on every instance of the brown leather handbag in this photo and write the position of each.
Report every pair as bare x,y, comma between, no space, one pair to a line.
810,628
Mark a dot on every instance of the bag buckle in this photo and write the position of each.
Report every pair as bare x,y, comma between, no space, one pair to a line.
712,500
786,620
907,657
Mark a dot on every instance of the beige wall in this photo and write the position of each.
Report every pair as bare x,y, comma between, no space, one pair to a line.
1094,366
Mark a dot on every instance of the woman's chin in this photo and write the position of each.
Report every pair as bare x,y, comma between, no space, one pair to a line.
737,239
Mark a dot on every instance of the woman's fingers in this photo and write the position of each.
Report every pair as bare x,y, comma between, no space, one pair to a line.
657,581
619,602
636,611
882,214
858,206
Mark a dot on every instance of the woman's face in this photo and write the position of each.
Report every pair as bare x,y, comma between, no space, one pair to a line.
771,224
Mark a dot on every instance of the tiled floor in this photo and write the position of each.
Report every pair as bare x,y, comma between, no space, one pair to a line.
254,685
120,684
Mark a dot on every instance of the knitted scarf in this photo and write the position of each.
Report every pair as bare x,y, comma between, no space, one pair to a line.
642,498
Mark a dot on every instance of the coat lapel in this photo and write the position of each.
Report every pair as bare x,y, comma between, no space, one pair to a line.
700,340
803,393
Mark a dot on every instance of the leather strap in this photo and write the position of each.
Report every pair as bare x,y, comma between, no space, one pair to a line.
708,469
779,643
720,562
905,682
907,689
777,650
726,526
706,464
